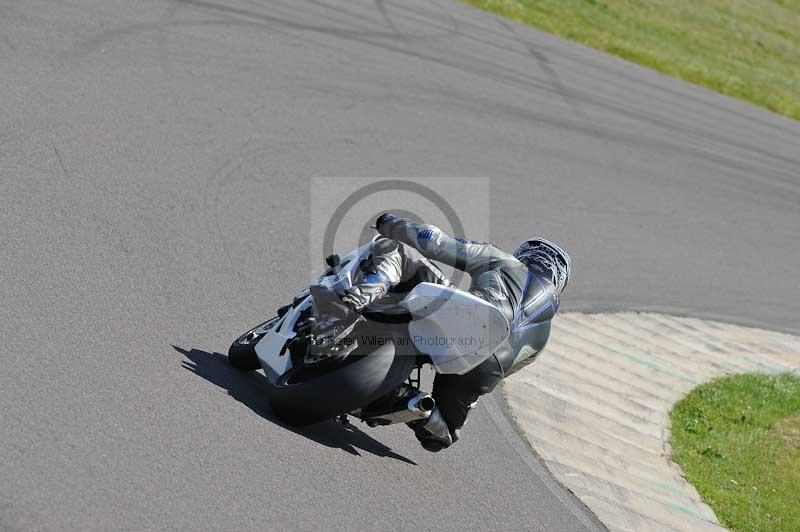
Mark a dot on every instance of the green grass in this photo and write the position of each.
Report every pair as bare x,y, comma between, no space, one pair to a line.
745,49
738,441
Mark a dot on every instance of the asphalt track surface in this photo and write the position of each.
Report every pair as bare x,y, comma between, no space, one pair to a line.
154,164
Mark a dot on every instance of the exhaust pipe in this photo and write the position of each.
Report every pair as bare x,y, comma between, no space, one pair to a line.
421,405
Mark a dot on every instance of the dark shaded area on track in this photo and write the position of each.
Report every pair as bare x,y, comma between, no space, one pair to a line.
251,390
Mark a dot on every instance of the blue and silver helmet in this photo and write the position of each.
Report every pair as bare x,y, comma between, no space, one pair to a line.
544,256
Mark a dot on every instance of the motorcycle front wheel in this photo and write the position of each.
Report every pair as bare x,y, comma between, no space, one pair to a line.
242,353
378,365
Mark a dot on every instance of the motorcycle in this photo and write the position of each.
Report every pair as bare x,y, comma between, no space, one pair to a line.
311,380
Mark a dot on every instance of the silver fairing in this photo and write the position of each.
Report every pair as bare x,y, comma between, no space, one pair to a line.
272,349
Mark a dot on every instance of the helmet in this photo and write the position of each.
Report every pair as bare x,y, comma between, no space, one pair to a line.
545,257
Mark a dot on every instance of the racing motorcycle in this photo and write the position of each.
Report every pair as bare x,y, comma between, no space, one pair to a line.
366,371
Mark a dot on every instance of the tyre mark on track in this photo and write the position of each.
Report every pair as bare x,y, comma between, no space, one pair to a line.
60,160
226,174
544,64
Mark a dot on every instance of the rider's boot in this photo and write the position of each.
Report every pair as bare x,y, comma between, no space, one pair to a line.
432,432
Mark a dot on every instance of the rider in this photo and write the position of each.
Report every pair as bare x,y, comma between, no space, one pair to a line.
524,286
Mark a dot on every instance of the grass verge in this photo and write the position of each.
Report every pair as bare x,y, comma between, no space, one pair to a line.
747,49
738,441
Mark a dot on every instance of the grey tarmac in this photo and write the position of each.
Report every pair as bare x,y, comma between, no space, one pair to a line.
155,159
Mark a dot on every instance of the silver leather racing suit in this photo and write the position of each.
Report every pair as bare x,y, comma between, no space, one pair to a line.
527,297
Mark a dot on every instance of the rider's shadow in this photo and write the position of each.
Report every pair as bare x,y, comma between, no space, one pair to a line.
250,389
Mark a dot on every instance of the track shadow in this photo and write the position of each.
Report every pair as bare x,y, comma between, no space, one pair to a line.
251,389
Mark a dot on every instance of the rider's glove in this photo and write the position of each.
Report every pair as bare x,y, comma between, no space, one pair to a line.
354,297
373,287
